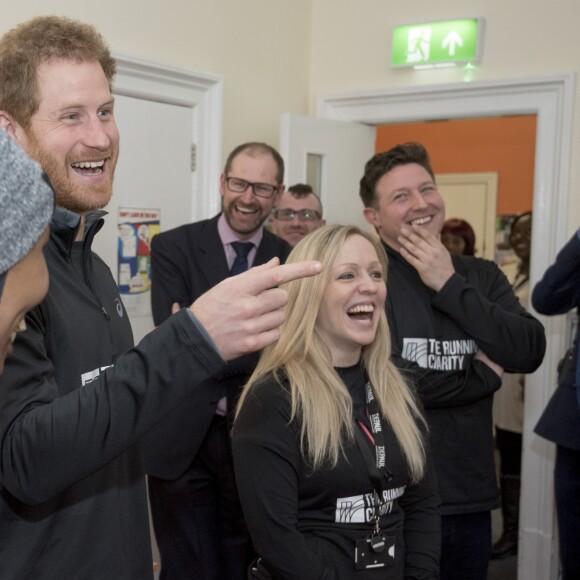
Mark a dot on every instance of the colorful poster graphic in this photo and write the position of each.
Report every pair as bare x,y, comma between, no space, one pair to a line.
137,227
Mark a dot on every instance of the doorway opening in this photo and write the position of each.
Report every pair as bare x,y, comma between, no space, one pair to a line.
550,99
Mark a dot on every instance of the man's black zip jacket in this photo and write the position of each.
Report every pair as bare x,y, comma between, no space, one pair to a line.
75,400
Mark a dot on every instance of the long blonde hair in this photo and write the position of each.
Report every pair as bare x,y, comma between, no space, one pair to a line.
319,398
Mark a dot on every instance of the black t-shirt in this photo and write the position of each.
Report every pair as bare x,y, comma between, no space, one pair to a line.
305,523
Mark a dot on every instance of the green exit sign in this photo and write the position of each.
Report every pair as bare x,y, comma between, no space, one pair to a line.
437,43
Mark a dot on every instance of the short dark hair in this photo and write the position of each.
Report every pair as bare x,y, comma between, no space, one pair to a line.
462,229
381,163
254,148
301,190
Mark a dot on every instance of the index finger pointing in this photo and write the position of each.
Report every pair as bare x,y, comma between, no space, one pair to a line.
255,281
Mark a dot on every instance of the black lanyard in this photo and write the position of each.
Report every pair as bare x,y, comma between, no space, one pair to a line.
378,467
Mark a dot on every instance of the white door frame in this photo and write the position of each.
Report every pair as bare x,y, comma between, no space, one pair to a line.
551,99
201,92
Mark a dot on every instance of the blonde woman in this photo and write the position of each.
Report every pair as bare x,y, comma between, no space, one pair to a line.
329,443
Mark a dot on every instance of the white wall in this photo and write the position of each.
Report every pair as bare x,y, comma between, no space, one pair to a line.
351,49
277,55
261,47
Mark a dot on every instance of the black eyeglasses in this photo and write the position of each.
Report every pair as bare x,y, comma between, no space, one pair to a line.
238,185
304,215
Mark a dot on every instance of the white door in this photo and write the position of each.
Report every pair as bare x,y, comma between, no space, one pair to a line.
161,111
333,154
472,197
153,172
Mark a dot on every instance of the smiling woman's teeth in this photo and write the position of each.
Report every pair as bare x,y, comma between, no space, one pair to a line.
362,312
361,309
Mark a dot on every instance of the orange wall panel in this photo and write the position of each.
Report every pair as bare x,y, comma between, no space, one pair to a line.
505,145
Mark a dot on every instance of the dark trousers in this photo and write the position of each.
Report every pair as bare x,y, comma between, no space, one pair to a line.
509,445
198,520
466,546
567,491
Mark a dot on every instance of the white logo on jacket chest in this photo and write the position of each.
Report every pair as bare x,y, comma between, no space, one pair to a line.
359,509
442,355
119,307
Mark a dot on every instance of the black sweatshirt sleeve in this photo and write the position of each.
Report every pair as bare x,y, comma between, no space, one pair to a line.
49,442
559,289
267,463
438,389
490,313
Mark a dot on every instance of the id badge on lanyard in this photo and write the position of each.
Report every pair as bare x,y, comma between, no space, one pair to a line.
376,550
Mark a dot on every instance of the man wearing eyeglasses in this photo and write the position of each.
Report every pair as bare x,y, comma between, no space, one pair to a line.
197,517
298,212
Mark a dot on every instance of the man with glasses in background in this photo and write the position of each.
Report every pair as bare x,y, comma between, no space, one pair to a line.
196,513
298,212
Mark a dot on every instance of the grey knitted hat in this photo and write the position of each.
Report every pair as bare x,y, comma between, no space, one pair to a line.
26,203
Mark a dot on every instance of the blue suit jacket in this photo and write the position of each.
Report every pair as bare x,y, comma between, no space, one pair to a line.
557,293
185,263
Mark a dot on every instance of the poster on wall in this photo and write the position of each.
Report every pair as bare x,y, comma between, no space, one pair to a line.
137,227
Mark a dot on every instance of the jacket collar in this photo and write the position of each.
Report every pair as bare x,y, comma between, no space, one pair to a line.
65,224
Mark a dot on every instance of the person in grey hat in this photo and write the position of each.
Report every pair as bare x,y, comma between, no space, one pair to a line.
26,206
